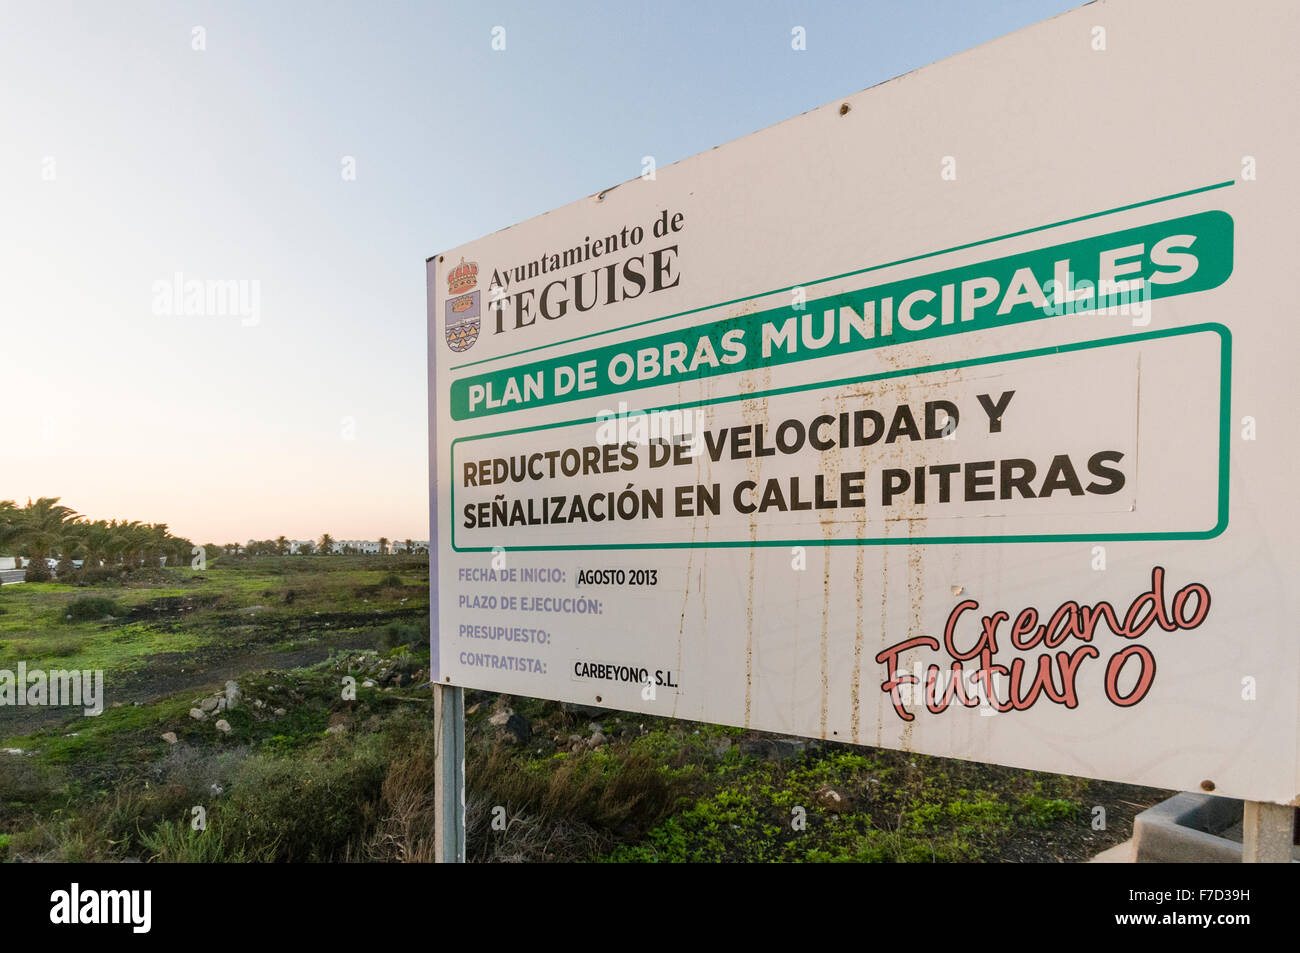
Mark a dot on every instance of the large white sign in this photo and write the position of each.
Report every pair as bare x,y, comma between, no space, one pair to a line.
954,416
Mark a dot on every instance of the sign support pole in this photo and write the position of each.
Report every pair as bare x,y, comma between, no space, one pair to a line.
449,774
1266,833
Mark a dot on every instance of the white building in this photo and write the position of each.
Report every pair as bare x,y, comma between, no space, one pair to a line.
368,547
397,545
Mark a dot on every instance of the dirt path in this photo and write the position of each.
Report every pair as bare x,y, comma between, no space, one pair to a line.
171,672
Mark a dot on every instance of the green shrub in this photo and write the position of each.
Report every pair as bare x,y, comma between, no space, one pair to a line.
1044,812
594,787
176,842
309,808
23,781
99,576
58,648
91,608
398,634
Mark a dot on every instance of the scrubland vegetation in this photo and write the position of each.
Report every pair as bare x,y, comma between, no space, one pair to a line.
227,703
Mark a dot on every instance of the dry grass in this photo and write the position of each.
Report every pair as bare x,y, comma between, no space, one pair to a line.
406,828
516,812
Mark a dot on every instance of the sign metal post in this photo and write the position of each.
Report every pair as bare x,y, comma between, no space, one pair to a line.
449,770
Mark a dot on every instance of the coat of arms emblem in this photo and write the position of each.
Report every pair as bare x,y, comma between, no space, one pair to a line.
462,308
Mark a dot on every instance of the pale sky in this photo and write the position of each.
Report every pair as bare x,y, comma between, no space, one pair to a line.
128,156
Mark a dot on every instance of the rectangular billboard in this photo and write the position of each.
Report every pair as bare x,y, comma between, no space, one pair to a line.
948,417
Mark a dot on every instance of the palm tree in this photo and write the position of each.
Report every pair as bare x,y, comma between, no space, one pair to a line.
325,545
45,524
115,546
132,538
154,543
409,547
41,528
10,523
93,542
383,545
281,545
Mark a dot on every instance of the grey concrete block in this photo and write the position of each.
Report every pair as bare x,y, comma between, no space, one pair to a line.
1189,828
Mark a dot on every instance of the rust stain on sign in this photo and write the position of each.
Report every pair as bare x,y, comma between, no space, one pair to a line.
754,411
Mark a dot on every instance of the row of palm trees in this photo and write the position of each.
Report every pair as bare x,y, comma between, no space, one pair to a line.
47,529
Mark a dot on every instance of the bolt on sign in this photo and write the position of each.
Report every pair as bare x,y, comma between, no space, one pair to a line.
954,421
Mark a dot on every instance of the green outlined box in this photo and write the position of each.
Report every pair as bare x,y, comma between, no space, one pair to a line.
1221,522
